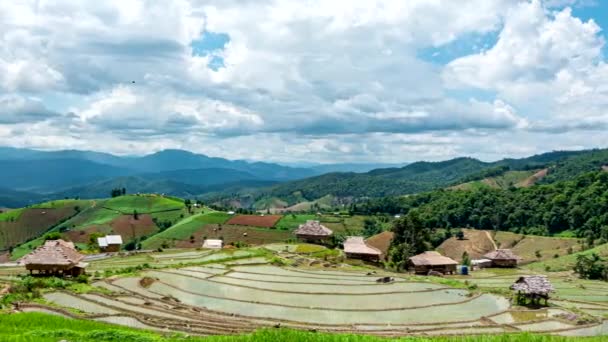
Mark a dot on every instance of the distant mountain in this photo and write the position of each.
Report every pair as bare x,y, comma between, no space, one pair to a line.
352,167
425,176
51,175
166,160
201,177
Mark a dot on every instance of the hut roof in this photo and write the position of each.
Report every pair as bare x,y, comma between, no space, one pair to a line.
312,227
502,254
53,252
431,258
534,284
356,245
68,244
381,241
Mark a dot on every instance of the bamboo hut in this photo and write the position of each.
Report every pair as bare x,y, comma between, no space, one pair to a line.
313,231
503,258
56,258
532,288
356,248
432,261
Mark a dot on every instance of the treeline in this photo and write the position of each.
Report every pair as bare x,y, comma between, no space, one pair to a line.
579,206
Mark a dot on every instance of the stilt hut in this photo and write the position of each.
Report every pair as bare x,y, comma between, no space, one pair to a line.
356,248
532,288
503,258
313,231
55,258
429,261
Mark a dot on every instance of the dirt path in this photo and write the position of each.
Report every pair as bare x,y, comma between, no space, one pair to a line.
491,239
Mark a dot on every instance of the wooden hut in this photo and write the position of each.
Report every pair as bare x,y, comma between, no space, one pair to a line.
432,261
503,258
356,248
313,231
532,288
55,257
382,242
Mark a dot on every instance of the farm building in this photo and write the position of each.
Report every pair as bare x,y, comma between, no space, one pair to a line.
432,261
381,242
533,288
356,248
503,258
110,243
213,244
313,231
55,257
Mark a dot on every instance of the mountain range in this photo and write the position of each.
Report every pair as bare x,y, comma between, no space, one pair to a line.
29,176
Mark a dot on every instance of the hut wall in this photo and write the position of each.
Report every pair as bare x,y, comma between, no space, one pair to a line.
367,257
425,269
112,248
504,263
311,238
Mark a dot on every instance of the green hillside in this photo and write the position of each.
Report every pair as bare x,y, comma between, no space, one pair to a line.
506,180
106,216
21,225
185,228
421,177
567,262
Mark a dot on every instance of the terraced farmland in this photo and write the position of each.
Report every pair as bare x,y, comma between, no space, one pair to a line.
218,296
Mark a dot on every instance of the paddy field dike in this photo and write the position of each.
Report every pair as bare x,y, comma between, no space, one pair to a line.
203,292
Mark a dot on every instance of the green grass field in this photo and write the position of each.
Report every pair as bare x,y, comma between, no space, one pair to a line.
567,262
292,221
143,204
30,327
183,229
11,215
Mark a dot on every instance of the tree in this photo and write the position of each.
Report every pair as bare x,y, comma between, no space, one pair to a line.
591,267
460,235
52,236
371,227
411,237
135,215
466,260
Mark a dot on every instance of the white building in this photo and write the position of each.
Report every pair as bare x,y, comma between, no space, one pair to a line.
110,243
212,244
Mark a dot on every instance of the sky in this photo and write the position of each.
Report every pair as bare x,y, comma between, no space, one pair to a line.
305,81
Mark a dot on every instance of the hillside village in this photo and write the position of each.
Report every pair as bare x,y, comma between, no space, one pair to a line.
151,261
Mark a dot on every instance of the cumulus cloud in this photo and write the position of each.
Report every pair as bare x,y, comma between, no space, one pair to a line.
18,109
327,80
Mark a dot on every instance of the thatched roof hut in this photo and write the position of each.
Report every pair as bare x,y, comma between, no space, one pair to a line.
356,248
312,231
533,287
432,261
55,256
503,258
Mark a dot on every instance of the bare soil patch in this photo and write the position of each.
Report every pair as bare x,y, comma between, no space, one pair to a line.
32,223
233,233
4,257
130,228
533,179
476,243
266,221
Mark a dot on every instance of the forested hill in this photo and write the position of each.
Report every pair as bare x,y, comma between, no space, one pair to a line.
579,206
426,176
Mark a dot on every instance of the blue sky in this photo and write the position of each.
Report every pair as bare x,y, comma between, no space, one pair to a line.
290,81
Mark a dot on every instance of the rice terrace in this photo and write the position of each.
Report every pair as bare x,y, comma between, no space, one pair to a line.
278,283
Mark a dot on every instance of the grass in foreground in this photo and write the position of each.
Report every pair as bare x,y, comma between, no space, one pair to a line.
30,327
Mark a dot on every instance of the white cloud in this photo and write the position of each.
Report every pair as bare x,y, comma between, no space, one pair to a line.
327,80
